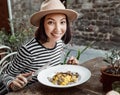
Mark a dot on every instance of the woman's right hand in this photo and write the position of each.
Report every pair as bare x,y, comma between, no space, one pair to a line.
20,81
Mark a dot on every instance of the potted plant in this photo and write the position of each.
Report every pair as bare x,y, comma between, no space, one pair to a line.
15,41
111,72
21,34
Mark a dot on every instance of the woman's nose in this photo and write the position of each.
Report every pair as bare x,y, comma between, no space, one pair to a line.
57,28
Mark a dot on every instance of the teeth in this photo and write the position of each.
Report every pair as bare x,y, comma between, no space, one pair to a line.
56,35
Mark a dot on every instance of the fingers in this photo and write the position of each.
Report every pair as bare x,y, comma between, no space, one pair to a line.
73,61
17,84
27,74
20,81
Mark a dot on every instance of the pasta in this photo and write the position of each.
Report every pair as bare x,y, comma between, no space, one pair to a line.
64,78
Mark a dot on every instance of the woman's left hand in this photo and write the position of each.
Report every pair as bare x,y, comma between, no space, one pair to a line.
73,61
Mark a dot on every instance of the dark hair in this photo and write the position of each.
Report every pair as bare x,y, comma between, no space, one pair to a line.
42,37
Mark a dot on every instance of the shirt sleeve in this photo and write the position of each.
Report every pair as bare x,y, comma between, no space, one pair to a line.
17,65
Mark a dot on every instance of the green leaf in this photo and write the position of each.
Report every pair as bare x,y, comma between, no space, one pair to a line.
89,45
66,56
78,54
12,39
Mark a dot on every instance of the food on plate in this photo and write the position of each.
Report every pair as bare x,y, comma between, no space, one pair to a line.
64,78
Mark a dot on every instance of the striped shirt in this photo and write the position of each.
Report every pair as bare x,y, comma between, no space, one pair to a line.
31,57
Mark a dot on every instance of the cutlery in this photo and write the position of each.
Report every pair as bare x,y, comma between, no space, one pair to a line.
34,74
40,69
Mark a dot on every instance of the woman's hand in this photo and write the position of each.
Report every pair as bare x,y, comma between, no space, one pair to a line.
20,81
73,61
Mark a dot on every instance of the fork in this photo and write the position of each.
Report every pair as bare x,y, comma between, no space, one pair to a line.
34,74
40,69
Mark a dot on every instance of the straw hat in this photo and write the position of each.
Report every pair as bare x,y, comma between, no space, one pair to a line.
52,6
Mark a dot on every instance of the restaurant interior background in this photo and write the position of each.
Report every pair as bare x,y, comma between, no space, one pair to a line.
99,20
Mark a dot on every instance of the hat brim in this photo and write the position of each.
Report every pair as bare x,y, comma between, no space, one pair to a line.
35,18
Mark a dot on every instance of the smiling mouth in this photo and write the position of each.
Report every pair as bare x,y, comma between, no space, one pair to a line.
56,35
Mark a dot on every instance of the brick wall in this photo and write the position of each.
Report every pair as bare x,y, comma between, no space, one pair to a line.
100,21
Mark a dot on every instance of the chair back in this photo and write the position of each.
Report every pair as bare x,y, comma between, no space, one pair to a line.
6,55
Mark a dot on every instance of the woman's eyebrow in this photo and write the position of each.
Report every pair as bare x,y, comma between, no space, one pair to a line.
54,19
50,18
63,18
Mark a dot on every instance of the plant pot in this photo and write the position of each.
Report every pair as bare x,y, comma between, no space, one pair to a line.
107,79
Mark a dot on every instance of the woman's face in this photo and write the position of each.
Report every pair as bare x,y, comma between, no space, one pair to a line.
55,26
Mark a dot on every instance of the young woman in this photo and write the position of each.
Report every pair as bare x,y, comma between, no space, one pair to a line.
52,33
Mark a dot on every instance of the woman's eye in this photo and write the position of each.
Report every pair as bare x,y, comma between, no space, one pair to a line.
63,22
50,22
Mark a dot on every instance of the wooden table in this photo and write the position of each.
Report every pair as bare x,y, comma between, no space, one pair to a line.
91,87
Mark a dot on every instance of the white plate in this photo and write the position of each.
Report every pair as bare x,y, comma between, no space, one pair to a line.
43,75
